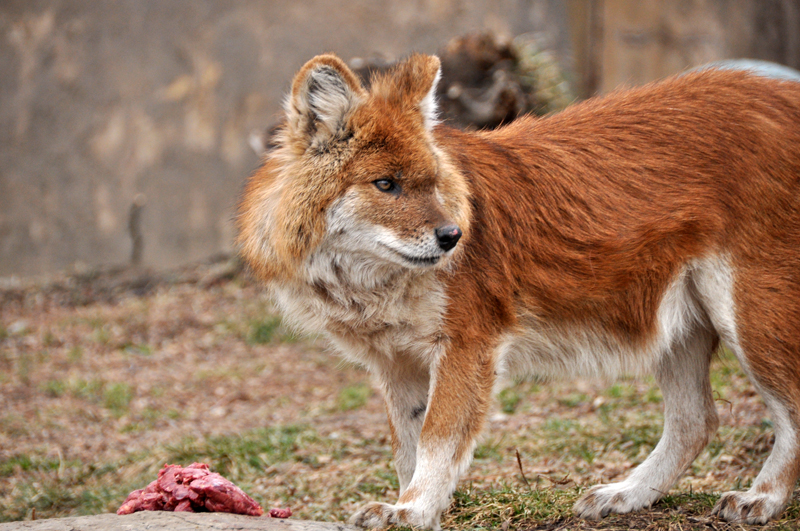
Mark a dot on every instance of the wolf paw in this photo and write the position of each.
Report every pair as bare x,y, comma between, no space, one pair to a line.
380,515
601,500
748,507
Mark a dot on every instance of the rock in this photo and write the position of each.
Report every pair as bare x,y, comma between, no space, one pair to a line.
158,520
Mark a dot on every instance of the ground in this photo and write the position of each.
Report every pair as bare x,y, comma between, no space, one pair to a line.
106,376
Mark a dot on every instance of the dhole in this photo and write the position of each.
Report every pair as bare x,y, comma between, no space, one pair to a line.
627,234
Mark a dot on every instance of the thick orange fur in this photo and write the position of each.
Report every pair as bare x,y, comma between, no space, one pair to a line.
629,233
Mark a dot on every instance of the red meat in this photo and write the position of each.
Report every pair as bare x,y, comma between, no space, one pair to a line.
280,513
191,489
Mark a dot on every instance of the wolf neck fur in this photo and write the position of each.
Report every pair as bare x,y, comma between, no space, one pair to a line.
368,307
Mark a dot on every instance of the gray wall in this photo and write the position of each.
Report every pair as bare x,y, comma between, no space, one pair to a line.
101,101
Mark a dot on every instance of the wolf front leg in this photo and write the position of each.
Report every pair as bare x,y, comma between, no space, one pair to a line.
405,382
461,391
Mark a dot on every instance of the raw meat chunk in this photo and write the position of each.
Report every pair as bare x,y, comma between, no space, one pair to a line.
191,489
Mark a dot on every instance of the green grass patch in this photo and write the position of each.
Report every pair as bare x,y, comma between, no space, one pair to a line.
353,397
653,395
509,400
262,332
114,396
26,463
117,397
75,354
267,330
550,508
137,349
102,335
91,390
25,364
250,452
53,388
573,399
508,506
493,449
48,339
617,391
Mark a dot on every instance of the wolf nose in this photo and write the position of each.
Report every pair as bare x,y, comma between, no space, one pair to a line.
448,236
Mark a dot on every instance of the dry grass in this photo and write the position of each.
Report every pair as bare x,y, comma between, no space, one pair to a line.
104,378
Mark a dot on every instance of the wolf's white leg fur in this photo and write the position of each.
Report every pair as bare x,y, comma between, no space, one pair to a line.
774,484
427,496
690,420
458,401
405,389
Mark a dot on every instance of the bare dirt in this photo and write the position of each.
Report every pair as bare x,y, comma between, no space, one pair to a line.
178,349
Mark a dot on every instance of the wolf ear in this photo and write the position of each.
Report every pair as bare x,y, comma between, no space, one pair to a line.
324,92
417,79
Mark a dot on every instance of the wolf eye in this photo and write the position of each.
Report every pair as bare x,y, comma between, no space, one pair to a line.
386,185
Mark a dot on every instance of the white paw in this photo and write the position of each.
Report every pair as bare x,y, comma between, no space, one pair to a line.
376,515
601,500
749,507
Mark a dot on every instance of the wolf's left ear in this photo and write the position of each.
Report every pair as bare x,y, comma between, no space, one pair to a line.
417,78
324,92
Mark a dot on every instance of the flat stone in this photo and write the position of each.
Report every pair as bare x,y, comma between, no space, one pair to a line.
161,520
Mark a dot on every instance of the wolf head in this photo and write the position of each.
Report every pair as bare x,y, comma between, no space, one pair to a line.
356,172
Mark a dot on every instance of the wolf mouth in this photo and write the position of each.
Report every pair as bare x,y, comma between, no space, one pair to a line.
420,260
416,260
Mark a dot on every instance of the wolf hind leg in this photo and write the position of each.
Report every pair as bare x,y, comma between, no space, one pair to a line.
775,483
763,331
690,420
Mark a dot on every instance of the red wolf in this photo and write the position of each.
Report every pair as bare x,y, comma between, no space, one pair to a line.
627,234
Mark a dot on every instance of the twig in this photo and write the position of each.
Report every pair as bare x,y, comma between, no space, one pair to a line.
519,464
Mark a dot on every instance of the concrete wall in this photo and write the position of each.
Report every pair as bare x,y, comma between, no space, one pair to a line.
103,104
634,41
